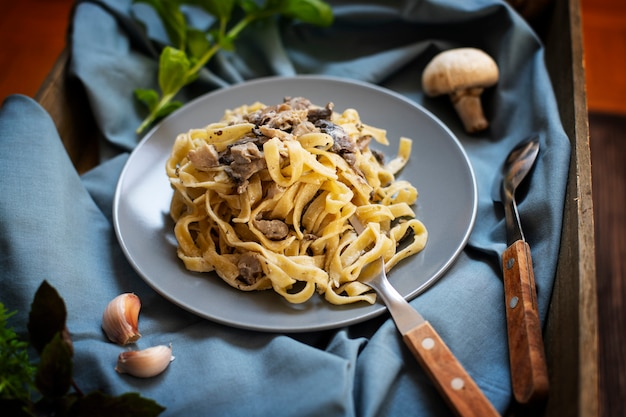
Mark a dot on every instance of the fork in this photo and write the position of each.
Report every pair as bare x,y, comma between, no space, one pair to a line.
452,380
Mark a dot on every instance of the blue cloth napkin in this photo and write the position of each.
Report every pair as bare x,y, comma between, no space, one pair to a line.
56,225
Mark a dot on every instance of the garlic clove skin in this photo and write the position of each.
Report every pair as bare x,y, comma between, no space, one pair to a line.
120,319
145,363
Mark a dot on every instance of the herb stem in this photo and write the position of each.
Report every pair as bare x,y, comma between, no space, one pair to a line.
241,25
231,34
203,60
153,115
198,66
183,65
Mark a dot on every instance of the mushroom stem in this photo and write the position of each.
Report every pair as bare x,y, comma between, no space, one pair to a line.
469,108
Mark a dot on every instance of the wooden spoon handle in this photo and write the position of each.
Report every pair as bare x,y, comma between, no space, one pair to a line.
453,382
529,373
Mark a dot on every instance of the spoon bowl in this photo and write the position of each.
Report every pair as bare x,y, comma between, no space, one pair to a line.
517,165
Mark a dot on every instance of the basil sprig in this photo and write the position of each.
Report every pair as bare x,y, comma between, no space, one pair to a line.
191,49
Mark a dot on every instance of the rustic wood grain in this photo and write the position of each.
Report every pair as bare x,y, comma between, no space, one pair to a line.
608,150
529,372
452,380
571,335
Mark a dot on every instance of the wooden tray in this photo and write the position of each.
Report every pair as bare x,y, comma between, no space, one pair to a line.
571,333
572,328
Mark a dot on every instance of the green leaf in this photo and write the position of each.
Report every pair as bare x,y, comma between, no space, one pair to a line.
172,18
180,64
148,96
249,6
197,43
47,316
227,42
316,12
221,9
54,373
168,108
173,68
97,404
16,371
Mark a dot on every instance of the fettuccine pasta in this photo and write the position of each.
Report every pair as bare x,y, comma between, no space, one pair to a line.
264,198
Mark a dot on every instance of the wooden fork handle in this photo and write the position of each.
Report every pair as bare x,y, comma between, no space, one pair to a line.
453,382
529,373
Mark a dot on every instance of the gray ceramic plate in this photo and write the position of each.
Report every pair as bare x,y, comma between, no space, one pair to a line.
438,167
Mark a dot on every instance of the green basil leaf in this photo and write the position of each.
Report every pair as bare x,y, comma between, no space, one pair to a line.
54,373
168,108
316,12
197,43
173,19
249,6
47,316
227,43
148,96
173,68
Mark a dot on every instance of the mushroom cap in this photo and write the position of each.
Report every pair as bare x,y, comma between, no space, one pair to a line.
458,69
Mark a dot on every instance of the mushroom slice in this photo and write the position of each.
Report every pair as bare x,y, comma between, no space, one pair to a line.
463,74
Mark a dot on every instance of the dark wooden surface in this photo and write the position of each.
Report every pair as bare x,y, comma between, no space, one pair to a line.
608,153
571,334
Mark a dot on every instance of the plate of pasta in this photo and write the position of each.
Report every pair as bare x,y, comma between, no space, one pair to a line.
239,207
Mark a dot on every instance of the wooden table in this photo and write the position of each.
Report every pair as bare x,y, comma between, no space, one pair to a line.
571,333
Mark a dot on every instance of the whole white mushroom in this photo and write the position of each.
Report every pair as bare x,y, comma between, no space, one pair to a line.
463,74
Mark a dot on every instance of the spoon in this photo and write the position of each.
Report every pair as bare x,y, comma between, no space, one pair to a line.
529,374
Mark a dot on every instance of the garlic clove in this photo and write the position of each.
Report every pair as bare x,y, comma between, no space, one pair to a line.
145,363
120,319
